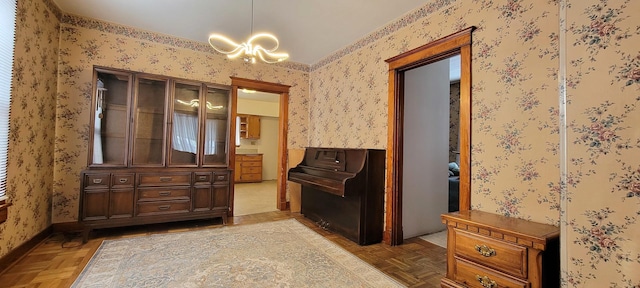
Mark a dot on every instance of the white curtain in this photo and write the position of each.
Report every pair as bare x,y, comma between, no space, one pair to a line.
213,129
185,133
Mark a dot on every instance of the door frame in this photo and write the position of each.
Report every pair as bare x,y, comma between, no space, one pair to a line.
446,47
283,120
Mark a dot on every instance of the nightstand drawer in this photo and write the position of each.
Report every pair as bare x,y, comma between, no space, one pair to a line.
494,253
473,275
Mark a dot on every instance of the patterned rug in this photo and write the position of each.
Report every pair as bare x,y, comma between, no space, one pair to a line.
274,254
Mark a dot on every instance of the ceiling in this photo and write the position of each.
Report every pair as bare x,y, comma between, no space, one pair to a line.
308,30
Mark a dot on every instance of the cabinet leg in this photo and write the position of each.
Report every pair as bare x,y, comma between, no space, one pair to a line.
85,235
224,219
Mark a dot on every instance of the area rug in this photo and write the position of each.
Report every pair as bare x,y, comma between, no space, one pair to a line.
274,254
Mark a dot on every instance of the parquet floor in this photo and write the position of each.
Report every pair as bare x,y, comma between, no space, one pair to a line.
58,260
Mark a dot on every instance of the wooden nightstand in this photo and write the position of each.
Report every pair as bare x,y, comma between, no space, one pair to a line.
489,250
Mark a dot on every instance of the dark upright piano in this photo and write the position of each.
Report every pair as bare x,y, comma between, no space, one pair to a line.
343,191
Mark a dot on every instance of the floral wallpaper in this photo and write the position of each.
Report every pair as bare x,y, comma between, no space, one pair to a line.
516,152
86,42
32,124
603,137
515,134
517,158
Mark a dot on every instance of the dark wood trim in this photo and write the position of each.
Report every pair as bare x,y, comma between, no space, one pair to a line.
260,85
283,121
4,210
448,46
7,260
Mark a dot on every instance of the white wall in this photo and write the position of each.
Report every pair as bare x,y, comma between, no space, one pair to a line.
255,107
426,149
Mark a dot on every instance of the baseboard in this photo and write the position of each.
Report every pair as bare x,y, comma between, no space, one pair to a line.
67,227
7,260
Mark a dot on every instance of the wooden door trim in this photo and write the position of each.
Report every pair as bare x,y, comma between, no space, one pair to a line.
457,43
283,120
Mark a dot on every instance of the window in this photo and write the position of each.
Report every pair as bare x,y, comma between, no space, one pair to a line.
7,21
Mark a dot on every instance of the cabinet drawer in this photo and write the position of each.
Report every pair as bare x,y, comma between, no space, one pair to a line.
94,181
162,207
251,164
494,253
202,177
473,275
251,177
252,170
122,180
220,177
159,194
252,158
164,179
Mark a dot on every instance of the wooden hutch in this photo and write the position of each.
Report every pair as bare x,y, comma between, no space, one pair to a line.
158,151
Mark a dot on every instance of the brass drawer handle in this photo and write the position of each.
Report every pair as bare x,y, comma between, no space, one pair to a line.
220,177
164,207
123,180
164,193
486,281
97,181
166,179
485,250
202,178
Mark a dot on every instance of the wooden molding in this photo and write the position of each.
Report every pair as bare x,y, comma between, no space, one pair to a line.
448,46
283,120
7,260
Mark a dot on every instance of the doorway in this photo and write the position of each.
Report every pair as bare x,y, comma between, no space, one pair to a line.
278,127
256,165
455,44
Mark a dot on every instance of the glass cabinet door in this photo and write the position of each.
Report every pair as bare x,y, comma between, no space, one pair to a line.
216,127
149,122
110,121
185,125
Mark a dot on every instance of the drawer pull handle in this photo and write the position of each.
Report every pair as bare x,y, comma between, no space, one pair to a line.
164,207
164,193
97,181
123,180
485,250
202,178
166,179
220,177
486,281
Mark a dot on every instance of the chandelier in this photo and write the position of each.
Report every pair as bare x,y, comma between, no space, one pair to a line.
251,49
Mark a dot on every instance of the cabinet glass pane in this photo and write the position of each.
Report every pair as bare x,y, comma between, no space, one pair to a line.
110,123
216,126
149,122
184,135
